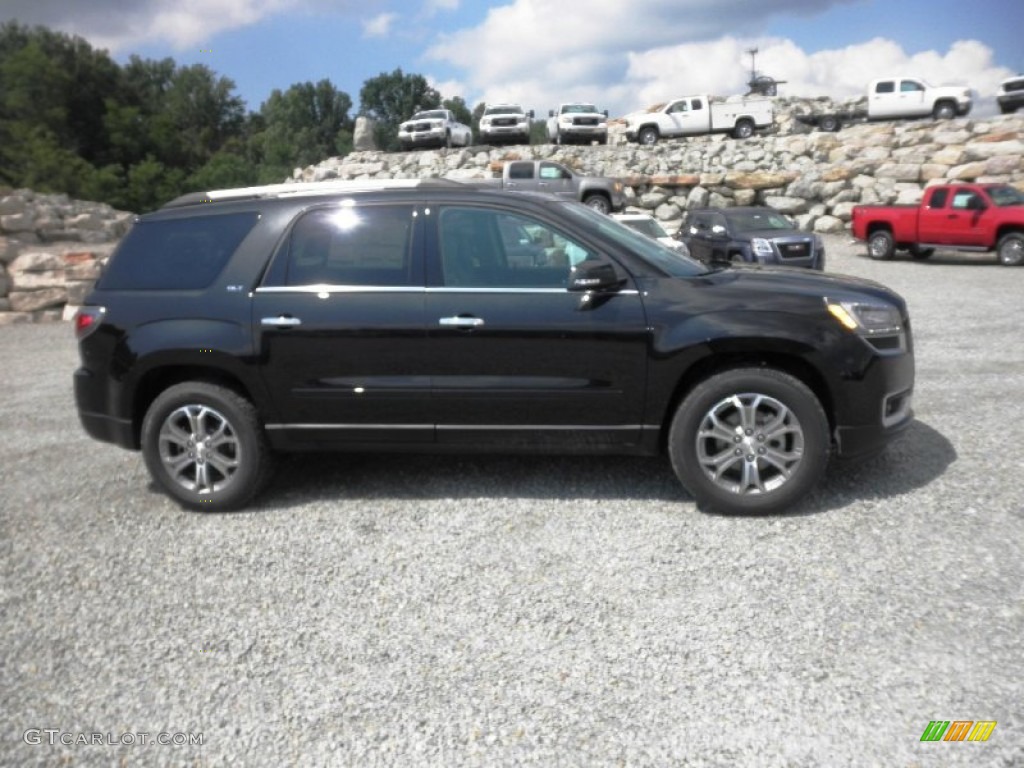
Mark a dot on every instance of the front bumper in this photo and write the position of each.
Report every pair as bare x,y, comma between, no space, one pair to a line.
504,132
874,404
1008,102
422,138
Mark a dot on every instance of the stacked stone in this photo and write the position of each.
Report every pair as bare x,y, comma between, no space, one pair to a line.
51,251
814,176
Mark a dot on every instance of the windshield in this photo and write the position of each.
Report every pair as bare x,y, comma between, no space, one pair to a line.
578,108
1005,196
508,109
436,114
753,221
661,256
648,227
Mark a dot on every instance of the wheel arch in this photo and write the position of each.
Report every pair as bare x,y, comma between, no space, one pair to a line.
159,378
717,362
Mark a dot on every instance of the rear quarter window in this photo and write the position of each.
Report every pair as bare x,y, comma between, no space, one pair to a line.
184,254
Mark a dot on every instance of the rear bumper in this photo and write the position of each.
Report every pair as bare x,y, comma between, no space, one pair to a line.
90,400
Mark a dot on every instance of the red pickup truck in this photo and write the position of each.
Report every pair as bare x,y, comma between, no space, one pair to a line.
964,217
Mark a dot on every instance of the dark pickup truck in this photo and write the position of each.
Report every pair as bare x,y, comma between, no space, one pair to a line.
964,217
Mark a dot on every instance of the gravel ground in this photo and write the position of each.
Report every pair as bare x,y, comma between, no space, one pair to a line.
422,611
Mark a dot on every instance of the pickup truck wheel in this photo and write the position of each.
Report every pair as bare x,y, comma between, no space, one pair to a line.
749,440
829,123
598,202
204,445
648,136
448,140
881,246
944,111
744,129
1011,249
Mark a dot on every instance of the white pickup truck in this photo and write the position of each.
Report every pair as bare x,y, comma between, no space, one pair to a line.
897,97
577,122
695,115
434,127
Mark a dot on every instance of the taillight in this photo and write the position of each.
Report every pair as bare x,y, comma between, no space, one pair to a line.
87,320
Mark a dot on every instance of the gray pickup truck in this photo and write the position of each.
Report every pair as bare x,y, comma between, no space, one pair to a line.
599,192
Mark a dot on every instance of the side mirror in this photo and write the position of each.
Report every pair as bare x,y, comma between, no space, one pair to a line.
593,275
530,113
551,113
605,113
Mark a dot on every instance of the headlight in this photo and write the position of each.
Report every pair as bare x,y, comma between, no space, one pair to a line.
761,247
485,122
868,319
565,119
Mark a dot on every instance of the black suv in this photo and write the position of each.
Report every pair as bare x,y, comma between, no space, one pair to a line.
434,316
757,235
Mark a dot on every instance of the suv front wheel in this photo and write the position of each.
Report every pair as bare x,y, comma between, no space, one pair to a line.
204,445
749,440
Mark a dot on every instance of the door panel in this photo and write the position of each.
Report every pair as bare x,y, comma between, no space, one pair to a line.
340,327
516,358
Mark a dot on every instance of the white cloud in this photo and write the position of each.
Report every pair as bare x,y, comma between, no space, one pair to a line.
379,26
118,25
628,55
715,67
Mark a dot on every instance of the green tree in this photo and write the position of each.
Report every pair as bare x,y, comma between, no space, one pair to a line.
303,125
391,98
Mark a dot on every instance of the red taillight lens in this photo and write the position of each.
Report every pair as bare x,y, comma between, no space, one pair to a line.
87,320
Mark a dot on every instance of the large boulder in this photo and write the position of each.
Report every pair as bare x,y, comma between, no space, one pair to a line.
363,138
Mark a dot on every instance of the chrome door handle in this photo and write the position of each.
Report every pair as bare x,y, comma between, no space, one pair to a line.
461,322
281,321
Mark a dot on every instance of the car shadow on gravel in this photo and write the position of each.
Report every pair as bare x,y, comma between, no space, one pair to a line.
917,458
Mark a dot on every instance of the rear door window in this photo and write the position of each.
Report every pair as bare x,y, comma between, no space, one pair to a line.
367,245
181,254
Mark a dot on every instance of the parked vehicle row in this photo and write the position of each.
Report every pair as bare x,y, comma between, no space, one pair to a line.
966,217
577,123
751,235
426,315
601,193
696,115
898,97
434,127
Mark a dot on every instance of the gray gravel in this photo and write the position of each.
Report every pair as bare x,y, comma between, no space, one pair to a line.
424,611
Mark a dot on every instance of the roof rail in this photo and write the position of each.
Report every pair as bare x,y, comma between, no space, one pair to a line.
307,188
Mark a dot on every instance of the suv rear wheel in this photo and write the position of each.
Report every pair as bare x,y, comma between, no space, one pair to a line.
749,440
204,445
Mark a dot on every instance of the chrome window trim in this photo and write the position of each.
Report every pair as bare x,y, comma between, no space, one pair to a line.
475,427
411,289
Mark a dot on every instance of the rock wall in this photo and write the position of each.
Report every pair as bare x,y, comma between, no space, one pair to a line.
814,176
51,250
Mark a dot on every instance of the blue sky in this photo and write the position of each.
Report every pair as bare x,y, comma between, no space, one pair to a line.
623,54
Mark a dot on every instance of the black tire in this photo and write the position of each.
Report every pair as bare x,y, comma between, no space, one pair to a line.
829,123
448,140
209,475
603,141
920,253
1007,110
944,110
783,447
648,136
598,202
1011,249
744,130
881,246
